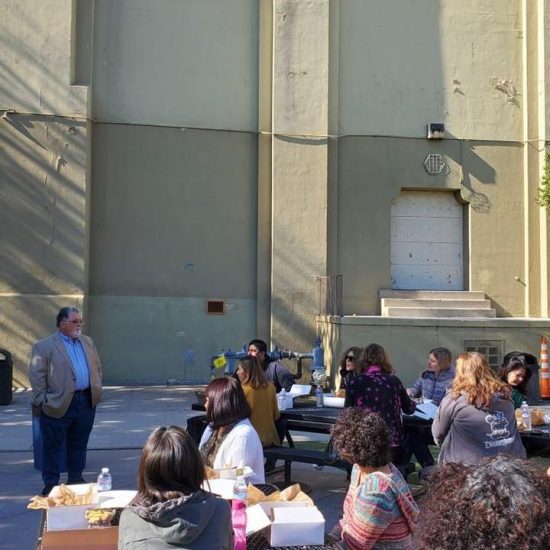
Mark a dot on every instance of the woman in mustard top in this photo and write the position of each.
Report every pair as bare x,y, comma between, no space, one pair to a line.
261,397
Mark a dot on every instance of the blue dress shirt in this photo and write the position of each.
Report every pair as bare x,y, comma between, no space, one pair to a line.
79,360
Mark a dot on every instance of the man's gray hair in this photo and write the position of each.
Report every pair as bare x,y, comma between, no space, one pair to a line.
64,313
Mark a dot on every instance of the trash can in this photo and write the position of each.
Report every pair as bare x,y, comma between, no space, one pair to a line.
6,377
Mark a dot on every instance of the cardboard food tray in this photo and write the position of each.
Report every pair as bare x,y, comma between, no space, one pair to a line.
60,518
104,538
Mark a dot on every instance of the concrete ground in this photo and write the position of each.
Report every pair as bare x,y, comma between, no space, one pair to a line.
124,420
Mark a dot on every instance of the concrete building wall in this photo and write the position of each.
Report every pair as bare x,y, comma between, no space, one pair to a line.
405,64
190,64
408,341
173,224
161,154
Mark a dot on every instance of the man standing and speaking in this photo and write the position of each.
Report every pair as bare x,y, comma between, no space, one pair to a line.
65,375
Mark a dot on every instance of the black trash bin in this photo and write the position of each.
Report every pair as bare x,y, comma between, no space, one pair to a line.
6,377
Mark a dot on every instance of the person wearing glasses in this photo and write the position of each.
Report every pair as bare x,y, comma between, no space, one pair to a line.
65,374
349,368
515,373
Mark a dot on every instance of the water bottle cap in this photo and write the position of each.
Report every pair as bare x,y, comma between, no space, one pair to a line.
104,470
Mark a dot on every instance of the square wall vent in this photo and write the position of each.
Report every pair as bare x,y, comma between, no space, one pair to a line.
492,349
215,307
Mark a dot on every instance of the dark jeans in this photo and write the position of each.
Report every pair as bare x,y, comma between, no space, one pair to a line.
419,440
75,428
196,426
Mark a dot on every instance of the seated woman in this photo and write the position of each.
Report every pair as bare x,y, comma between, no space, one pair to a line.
476,417
434,381
379,510
378,390
170,509
262,399
349,368
502,502
431,384
230,439
515,373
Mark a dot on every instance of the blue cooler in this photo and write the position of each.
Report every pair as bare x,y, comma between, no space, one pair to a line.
37,450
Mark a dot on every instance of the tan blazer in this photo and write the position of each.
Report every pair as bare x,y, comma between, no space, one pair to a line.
52,375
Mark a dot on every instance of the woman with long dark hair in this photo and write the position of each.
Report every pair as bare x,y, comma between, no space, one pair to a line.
229,438
170,509
515,373
349,368
262,399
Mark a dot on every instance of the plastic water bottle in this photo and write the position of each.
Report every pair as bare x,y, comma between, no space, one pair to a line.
104,480
240,489
238,510
526,415
281,398
319,396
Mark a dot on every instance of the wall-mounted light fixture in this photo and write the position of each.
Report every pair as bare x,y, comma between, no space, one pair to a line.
436,130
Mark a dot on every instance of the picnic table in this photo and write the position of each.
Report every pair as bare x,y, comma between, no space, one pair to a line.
306,417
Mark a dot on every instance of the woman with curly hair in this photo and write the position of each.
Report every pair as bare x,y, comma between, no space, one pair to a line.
349,368
262,399
476,417
515,373
502,502
379,510
378,390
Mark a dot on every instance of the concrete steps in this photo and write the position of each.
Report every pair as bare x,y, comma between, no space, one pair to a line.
435,304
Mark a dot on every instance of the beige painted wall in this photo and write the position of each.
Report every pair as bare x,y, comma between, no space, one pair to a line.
403,65
178,215
372,172
173,224
36,52
154,338
408,341
299,168
43,236
192,63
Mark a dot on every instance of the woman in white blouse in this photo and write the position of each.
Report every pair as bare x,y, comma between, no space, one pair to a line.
230,439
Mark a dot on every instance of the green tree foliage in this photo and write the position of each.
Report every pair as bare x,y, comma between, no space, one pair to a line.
543,197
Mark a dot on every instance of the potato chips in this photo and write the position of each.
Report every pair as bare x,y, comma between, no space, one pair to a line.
64,496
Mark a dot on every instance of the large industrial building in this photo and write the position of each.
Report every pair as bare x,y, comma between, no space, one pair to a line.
195,173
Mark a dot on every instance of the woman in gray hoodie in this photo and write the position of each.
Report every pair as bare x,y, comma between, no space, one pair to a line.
476,417
171,510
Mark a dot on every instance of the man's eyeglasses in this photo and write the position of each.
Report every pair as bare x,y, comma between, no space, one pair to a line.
350,358
74,321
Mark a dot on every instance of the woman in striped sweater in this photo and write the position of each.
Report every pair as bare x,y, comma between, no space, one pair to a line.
379,510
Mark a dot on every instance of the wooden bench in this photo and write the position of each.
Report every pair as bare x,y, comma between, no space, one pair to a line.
309,456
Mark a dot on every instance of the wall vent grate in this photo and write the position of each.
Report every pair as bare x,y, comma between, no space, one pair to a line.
492,349
215,307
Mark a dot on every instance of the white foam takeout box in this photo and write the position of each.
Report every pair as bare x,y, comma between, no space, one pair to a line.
61,518
330,400
297,390
223,486
287,523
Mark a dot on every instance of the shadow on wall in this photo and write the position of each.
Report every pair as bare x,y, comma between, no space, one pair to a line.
42,189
